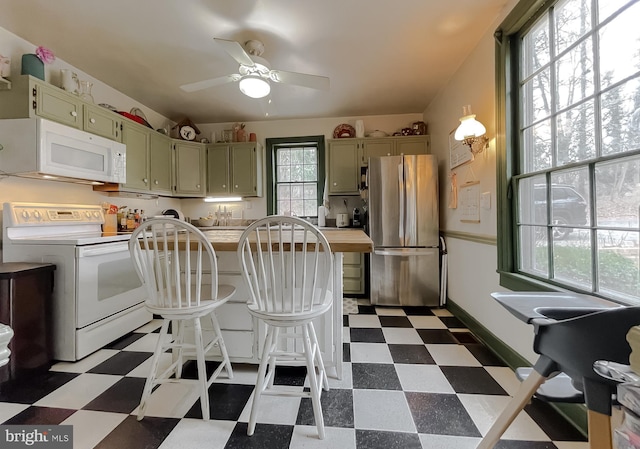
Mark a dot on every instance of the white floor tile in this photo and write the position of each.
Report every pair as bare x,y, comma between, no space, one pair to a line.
306,437
196,433
426,322
452,355
505,377
84,365
382,410
448,442
346,335
171,400
79,391
243,373
150,326
424,378
485,409
90,427
9,410
144,368
401,336
364,321
363,302
441,312
571,445
273,410
347,379
390,311
370,353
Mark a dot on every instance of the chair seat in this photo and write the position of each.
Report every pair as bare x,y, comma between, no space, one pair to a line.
206,305
555,389
288,318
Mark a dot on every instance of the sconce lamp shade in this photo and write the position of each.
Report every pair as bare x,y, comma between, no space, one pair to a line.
255,87
471,132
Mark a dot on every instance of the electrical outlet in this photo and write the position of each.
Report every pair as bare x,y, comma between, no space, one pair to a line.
485,200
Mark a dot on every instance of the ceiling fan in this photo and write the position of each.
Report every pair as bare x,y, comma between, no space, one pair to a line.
255,75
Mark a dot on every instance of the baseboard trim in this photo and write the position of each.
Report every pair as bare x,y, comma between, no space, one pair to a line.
575,414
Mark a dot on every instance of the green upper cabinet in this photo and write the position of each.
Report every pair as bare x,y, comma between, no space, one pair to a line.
413,145
235,169
218,170
344,167
57,105
160,167
189,169
101,121
136,138
375,148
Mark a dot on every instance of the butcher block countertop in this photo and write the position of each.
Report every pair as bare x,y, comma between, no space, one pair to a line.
340,240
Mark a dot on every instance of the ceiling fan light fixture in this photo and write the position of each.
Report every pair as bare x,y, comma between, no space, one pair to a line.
254,86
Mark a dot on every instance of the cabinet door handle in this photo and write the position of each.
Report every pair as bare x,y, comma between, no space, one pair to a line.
224,186
236,186
145,180
156,182
197,186
335,183
92,120
74,114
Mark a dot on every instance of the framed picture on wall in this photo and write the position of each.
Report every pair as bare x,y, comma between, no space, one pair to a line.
459,153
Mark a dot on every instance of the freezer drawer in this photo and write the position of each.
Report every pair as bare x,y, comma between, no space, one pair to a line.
407,277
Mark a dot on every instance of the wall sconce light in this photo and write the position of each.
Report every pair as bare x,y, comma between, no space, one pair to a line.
471,132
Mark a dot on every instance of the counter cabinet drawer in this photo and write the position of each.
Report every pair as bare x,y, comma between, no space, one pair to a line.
234,316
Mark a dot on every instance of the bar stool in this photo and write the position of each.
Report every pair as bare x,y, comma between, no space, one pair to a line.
570,336
177,265
287,265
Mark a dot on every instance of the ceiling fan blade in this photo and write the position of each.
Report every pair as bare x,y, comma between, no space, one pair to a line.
211,82
236,51
300,79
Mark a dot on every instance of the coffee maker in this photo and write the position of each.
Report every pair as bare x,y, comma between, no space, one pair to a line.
357,222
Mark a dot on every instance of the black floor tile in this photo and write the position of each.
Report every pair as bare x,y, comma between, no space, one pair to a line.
337,409
394,321
366,335
416,354
121,363
28,391
484,355
417,310
226,402
375,376
133,434
472,380
436,336
366,310
290,375
465,337
122,397
346,352
452,322
190,369
40,416
551,422
270,436
441,414
125,341
376,439
345,320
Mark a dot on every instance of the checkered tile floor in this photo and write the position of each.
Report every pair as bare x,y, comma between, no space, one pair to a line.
414,378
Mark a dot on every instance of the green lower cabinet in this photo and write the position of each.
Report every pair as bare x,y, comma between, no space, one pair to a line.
353,281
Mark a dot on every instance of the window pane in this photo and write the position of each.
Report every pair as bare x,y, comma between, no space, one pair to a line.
534,250
283,206
310,156
575,75
572,21
311,191
284,173
311,207
569,201
572,261
310,172
576,134
537,147
284,156
297,156
619,47
284,191
618,193
536,98
297,207
535,48
296,191
608,7
621,118
297,173
533,200
618,268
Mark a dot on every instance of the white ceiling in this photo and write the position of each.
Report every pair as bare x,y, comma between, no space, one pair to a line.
382,56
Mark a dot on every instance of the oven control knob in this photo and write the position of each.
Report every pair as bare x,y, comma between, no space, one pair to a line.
37,215
96,214
88,214
25,214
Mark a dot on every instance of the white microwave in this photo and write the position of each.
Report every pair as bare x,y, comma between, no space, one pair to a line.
39,148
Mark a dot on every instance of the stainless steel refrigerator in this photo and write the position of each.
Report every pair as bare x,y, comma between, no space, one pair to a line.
403,224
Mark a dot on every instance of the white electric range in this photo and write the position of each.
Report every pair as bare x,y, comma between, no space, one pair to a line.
97,294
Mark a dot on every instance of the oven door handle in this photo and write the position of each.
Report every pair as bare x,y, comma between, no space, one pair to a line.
103,249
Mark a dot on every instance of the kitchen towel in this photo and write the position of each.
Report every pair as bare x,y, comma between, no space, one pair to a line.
325,194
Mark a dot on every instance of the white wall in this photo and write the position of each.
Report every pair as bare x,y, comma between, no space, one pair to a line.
472,266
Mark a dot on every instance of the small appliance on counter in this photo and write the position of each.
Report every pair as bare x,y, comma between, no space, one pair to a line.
174,213
342,220
357,222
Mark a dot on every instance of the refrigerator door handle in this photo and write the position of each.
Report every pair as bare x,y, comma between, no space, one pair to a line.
404,251
401,199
